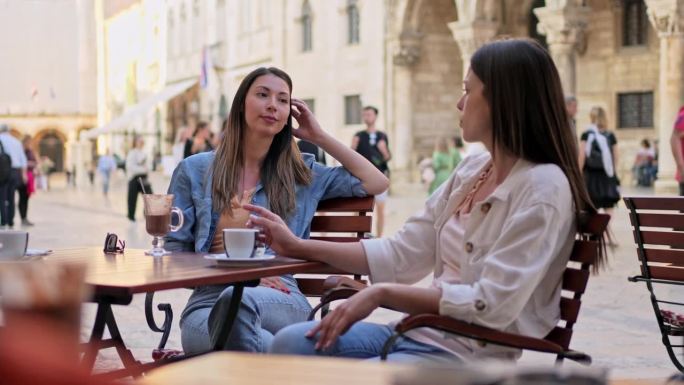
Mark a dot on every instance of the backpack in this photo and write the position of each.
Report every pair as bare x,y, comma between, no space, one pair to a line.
5,165
595,160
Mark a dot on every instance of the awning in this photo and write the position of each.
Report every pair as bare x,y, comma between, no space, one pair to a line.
139,110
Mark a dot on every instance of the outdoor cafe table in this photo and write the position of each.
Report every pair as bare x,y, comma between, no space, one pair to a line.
257,369
115,278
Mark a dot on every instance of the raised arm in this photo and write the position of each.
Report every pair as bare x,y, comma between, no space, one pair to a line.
373,181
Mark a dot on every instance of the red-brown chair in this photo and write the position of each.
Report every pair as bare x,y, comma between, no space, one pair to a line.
584,254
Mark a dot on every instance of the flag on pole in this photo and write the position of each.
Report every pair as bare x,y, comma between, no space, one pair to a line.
204,70
34,92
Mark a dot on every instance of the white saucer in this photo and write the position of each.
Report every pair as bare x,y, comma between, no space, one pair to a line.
223,259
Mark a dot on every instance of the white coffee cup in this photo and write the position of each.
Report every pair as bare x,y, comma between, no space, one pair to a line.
240,243
13,245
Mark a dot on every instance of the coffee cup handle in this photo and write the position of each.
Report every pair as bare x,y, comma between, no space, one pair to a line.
180,219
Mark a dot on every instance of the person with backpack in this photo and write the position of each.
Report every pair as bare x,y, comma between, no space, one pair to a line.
13,164
597,159
374,146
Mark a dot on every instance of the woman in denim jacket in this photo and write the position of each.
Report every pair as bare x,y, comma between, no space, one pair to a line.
258,162
497,235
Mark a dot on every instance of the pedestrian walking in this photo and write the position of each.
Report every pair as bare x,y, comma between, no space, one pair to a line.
105,166
597,158
137,168
12,174
45,168
373,144
442,164
28,186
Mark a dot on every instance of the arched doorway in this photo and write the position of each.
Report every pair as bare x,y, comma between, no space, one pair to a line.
436,75
51,144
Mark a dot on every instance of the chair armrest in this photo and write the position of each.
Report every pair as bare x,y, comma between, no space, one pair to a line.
331,295
339,281
481,333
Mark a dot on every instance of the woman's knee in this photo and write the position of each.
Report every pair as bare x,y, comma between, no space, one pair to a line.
292,340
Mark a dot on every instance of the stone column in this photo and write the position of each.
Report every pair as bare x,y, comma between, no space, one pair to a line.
564,26
471,35
667,16
407,55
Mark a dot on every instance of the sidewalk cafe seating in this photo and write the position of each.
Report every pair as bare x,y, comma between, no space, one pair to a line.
584,254
336,220
658,224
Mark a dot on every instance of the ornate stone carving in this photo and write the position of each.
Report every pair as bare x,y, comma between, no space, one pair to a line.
565,28
409,48
666,16
472,35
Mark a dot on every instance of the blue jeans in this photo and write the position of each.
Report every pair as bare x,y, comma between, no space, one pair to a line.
263,311
363,340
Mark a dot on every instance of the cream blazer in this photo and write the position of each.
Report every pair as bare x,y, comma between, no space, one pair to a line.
516,246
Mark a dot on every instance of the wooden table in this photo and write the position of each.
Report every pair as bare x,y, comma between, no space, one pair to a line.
256,369
252,369
115,278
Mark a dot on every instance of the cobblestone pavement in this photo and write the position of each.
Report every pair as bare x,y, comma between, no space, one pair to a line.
616,326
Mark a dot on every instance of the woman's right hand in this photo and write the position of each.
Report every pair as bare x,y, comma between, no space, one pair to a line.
274,231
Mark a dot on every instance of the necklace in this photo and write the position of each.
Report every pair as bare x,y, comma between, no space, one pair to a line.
467,202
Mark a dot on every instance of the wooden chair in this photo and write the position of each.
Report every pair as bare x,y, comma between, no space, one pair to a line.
658,224
337,220
585,251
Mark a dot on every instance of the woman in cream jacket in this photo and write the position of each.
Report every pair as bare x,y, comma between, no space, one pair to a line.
497,235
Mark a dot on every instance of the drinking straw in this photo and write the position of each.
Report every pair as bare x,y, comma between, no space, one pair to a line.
142,185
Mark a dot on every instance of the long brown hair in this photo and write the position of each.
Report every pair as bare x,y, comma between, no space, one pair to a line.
282,169
529,118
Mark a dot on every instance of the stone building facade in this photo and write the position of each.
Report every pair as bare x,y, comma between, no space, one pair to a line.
48,74
408,58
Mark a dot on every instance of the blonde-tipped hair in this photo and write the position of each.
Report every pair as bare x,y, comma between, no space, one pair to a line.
598,117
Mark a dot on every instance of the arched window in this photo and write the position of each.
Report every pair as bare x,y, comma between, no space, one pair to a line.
307,38
353,21
634,23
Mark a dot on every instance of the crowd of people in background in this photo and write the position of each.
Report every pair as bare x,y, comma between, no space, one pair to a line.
21,173
598,155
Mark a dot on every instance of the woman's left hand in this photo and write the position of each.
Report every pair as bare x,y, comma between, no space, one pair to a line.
309,129
340,319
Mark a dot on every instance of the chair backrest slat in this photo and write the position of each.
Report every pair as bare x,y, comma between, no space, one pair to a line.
570,308
672,273
341,224
575,280
338,205
661,220
560,336
334,239
671,256
661,238
584,251
656,203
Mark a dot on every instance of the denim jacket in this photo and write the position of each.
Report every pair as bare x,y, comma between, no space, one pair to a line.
191,187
